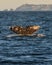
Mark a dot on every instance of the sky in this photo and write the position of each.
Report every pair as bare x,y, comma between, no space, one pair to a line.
8,4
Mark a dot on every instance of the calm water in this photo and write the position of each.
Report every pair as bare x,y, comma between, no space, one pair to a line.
26,50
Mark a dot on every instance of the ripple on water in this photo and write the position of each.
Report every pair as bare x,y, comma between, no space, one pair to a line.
26,50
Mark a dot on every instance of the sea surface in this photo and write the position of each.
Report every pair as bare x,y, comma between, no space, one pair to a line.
26,50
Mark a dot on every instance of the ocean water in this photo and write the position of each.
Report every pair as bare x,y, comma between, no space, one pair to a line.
26,50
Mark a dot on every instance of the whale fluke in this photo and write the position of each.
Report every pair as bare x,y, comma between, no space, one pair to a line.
28,30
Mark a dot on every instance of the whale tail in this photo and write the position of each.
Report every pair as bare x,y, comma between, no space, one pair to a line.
24,31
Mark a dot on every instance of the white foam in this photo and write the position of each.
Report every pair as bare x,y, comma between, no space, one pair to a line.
13,35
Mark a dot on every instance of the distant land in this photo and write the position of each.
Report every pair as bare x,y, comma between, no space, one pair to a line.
31,7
